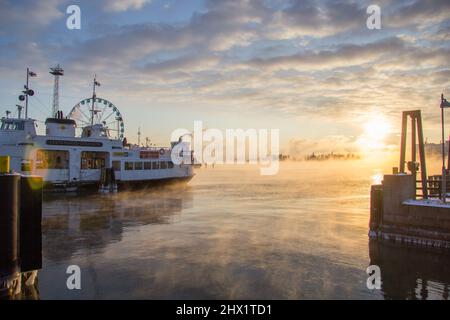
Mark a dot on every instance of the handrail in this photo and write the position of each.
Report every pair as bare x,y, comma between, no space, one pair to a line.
434,185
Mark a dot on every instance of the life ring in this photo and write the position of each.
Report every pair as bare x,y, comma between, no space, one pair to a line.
161,151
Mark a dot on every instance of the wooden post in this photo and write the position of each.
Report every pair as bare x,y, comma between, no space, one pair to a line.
413,148
403,143
413,139
423,166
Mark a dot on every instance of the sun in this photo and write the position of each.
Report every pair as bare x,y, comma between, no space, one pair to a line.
377,129
374,135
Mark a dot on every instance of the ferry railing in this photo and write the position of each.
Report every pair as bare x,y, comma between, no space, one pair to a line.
140,148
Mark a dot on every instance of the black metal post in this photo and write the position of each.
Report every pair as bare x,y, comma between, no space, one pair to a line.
26,95
443,184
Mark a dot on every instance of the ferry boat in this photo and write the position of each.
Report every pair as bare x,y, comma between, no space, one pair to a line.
68,161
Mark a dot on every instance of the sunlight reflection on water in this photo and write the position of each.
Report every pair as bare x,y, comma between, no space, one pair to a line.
233,234
377,178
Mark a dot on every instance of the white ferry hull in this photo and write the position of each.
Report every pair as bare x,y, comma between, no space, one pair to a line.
69,163
88,186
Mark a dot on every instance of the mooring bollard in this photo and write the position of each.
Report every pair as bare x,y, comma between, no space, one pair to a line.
4,164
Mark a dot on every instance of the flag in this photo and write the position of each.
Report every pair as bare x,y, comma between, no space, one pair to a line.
32,74
444,102
97,83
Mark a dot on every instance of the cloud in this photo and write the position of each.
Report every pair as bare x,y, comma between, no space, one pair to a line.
124,5
343,56
442,35
418,13
183,64
287,59
27,16
313,18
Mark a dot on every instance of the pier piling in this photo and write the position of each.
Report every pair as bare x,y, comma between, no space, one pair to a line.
20,232
30,223
9,224
108,181
376,209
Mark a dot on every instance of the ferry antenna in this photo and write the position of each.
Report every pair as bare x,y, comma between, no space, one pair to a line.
139,136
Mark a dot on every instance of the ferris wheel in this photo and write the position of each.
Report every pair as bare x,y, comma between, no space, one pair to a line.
91,111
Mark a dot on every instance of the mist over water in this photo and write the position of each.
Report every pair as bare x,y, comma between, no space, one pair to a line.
234,234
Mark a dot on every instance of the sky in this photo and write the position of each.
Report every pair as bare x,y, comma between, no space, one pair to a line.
309,68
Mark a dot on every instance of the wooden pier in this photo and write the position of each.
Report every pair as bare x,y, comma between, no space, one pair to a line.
396,215
405,209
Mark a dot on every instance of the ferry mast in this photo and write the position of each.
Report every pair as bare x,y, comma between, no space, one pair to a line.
27,91
96,84
56,72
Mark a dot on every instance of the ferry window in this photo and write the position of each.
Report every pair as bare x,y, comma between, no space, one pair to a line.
116,165
52,159
147,165
155,165
170,164
138,166
128,165
93,160
163,164
26,165
20,125
13,125
7,126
